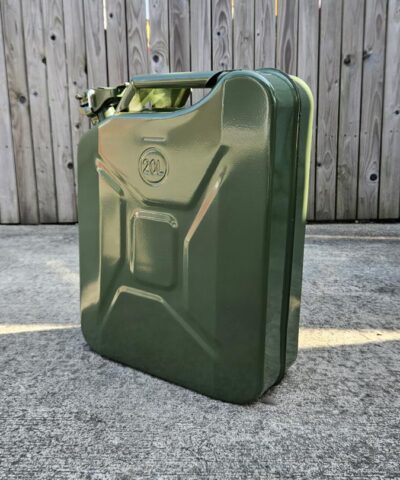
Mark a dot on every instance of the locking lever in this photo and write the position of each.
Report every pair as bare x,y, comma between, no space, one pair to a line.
94,103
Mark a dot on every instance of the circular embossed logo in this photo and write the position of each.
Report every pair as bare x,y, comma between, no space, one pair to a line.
152,166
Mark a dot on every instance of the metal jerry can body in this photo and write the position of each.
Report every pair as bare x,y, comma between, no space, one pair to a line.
192,232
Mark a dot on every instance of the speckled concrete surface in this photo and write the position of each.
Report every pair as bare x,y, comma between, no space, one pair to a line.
66,413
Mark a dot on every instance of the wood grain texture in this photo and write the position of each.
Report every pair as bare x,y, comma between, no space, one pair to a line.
77,77
307,69
59,110
351,62
179,35
265,33
138,58
350,104
243,35
95,43
221,34
371,112
40,117
8,183
328,102
389,197
286,48
14,50
117,59
200,40
159,36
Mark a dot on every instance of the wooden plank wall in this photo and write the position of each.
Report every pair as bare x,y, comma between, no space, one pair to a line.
346,50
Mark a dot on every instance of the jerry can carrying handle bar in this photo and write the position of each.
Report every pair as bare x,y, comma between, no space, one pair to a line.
177,80
180,82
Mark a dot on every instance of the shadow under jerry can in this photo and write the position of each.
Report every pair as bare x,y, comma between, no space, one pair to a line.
192,226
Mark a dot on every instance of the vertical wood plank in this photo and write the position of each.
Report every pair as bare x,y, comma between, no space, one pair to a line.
371,112
20,123
116,42
389,207
200,40
265,33
8,182
308,47
221,34
328,100
138,60
39,109
350,104
179,35
77,77
95,43
59,109
159,50
358,90
243,34
286,50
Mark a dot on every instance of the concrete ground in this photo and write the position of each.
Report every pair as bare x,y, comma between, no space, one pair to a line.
67,413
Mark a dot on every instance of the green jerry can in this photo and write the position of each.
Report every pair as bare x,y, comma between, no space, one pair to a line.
192,222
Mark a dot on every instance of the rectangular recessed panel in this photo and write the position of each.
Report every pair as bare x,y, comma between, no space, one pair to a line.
154,248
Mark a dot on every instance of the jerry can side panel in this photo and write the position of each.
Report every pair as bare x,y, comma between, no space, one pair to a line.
281,218
304,153
290,318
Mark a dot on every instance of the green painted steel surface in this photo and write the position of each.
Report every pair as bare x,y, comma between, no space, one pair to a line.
192,232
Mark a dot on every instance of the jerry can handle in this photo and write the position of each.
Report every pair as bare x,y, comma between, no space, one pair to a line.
177,80
97,103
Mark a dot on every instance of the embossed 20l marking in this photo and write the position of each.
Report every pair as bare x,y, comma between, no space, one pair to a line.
152,166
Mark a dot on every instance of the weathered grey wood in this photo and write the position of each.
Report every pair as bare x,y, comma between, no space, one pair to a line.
200,40
14,49
8,183
244,34
95,43
179,35
371,111
221,34
77,77
59,110
265,33
390,159
138,59
116,42
350,104
307,69
38,100
159,51
328,100
286,49
355,162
